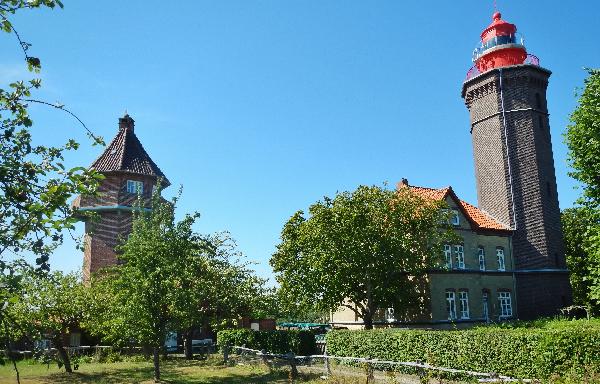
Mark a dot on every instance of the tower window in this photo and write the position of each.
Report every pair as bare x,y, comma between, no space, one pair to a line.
541,122
135,187
548,188
557,260
538,101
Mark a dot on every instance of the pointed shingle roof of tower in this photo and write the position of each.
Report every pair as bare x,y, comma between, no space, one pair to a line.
125,153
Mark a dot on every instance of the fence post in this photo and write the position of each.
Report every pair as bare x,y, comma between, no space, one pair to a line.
327,366
265,359
225,354
291,358
421,372
369,369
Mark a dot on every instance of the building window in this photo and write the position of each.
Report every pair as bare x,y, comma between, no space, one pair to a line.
500,257
486,305
505,304
548,188
451,305
538,101
481,255
463,297
134,186
454,219
459,253
389,315
448,255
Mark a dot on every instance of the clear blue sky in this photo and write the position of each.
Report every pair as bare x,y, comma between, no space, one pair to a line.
260,108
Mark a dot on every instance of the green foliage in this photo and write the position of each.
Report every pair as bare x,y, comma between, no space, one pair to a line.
49,306
518,352
297,341
170,278
369,246
36,185
583,140
579,226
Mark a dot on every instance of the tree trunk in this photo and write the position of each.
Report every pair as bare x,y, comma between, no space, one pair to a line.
156,358
368,320
369,310
187,344
62,353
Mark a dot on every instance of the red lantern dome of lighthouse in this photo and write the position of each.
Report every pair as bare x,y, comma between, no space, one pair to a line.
500,47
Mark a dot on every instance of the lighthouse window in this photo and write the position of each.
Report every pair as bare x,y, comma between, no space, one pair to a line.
548,188
538,101
134,186
541,122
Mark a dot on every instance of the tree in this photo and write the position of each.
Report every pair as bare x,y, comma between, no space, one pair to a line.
583,139
170,278
578,226
362,250
35,184
49,307
582,225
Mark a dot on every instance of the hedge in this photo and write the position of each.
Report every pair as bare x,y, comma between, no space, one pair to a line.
518,352
299,342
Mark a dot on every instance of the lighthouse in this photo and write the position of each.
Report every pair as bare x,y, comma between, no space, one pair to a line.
505,93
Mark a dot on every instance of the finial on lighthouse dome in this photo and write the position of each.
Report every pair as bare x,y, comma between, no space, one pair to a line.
496,16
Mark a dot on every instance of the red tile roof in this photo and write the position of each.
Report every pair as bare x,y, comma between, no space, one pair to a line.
479,218
125,153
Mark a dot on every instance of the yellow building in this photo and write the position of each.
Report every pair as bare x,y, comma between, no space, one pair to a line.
477,284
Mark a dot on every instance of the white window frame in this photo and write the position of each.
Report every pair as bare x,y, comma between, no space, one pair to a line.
505,304
459,253
451,305
485,302
455,219
448,255
481,256
500,257
389,315
463,297
135,187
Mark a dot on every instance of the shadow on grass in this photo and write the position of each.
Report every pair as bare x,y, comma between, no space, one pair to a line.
177,372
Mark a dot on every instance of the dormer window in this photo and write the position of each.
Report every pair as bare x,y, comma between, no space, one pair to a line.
135,187
455,219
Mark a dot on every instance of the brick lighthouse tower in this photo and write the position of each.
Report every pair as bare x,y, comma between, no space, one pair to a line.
128,172
505,93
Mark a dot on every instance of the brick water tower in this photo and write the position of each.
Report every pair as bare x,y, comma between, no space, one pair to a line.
129,172
505,92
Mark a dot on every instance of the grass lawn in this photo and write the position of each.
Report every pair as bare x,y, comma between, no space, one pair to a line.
172,371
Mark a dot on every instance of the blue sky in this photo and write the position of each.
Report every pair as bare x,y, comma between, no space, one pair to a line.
260,108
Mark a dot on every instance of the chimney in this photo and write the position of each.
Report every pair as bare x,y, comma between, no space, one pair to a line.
403,183
126,122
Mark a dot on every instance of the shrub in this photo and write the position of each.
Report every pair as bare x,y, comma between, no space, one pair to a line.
518,352
298,342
